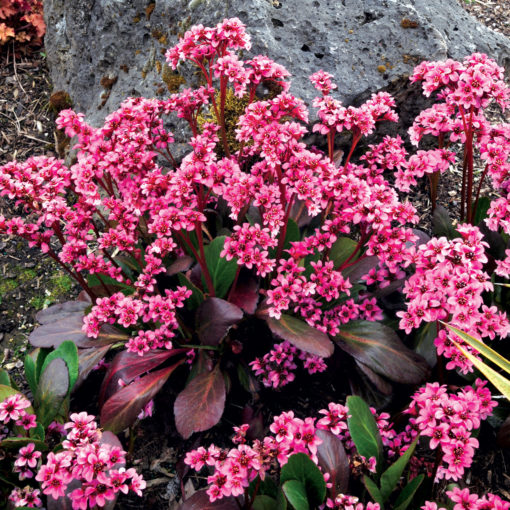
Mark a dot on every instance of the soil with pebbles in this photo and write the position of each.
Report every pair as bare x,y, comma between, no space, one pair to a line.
29,282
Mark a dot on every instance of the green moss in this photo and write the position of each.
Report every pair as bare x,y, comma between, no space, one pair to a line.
8,285
234,108
61,284
172,80
27,275
37,302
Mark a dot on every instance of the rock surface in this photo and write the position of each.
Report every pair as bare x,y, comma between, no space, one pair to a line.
101,51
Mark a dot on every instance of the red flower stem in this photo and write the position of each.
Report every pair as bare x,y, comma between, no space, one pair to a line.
469,147
234,285
205,270
331,143
283,233
223,97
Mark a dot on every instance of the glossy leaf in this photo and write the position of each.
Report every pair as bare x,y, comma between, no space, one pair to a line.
292,234
128,365
363,429
37,432
200,405
30,373
481,210
69,327
391,477
380,348
333,460
4,377
181,265
442,224
300,467
482,348
379,382
69,353
200,501
263,502
214,318
360,268
52,389
122,408
18,442
405,498
197,296
424,345
341,250
113,285
301,335
57,312
246,294
222,271
373,490
87,360
295,493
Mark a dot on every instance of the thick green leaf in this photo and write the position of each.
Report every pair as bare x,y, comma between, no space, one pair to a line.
380,348
265,487
18,442
200,405
406,496
30,373
363,429
94,281
424,344
295,493
301,335
373,490
197,295
342,249
391,477
40,354
122,408
481,210
222,271
301,467
4,378
264,502
214,318
37,432
52,389
67,351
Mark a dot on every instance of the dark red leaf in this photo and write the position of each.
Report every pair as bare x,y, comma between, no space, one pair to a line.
380,383
360,268
68,327
56,312
200,501
301,335
380,348
200,405
180,265
215,316
246,294
121,410
129,365
88,359
333,460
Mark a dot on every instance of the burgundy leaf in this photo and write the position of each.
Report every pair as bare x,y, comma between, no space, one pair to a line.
68,327
379,382
301,335
121,410
215,316
380,348
503,437
200,405
246,294
129,365
88,359
180,265
59,311
333,460
200,501
360,268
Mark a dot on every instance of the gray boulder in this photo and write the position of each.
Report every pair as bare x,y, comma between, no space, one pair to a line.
101,51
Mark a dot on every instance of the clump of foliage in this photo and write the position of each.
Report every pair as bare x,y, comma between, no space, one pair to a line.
22,21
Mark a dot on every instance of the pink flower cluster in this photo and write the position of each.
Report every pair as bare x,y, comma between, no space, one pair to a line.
94,464
450,420
26,497
13,409
277,366
465,500
447,284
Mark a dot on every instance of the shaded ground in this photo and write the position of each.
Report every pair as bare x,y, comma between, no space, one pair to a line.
28,282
